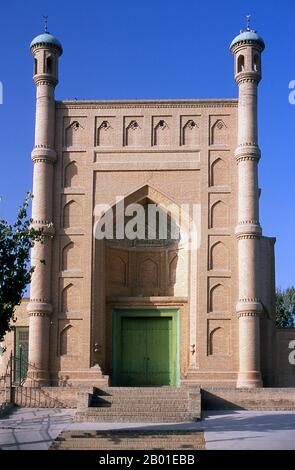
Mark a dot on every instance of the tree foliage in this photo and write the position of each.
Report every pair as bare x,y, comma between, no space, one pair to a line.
16,241
285,308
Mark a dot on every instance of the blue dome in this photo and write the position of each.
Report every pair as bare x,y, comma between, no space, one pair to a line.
248,36
47,39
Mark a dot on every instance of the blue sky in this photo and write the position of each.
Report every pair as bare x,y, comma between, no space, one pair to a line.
154,49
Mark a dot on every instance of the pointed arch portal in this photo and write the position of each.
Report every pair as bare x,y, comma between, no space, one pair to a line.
144,300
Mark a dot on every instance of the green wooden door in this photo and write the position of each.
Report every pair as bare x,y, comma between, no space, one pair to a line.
21,352
147,352
133,355
158,348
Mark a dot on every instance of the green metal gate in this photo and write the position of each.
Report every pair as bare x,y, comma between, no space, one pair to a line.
21,353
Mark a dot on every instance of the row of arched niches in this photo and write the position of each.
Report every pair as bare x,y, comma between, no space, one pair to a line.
161,131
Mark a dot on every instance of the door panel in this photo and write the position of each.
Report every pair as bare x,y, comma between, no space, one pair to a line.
133,364
146,351
158,351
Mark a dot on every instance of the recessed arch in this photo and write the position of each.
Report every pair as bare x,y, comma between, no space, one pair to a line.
74,134
72,214
49,65
219,133
71,174
218,342
218,298
133,134
173,270
70,298
219,215
71,257
162,200
190,133
148,273
218,174
105,134
219,257
240,63
117,269
162,133
68,341
256,62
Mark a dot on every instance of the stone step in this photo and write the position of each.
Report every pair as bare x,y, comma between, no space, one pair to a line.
133,418
136,407
110,411
142,403
141,396
161,396
138,404
140,391
129,440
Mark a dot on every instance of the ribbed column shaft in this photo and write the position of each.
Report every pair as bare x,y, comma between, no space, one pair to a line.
45,115
43,156
247,113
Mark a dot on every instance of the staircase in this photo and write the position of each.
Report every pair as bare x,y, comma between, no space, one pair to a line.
140,405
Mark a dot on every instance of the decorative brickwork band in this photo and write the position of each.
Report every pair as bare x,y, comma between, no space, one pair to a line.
47,228
45,81
248,314
43,160
252,299
247,152
38,314
253,80
247,222
249,305
43,155
247,158
40,307
248,236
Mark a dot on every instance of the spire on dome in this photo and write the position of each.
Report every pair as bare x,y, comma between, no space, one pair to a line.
46,24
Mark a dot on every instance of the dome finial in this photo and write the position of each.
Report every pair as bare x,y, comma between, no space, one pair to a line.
45,24
248,19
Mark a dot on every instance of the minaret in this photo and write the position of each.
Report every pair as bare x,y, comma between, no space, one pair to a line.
247,48
46,50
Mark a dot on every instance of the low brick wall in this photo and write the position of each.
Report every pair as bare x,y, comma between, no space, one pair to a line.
248,399
47,397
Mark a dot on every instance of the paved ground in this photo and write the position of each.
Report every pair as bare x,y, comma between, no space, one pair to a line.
36,429
31,429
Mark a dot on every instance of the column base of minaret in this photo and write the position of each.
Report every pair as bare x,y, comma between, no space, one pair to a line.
92,376
39,378
250,379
